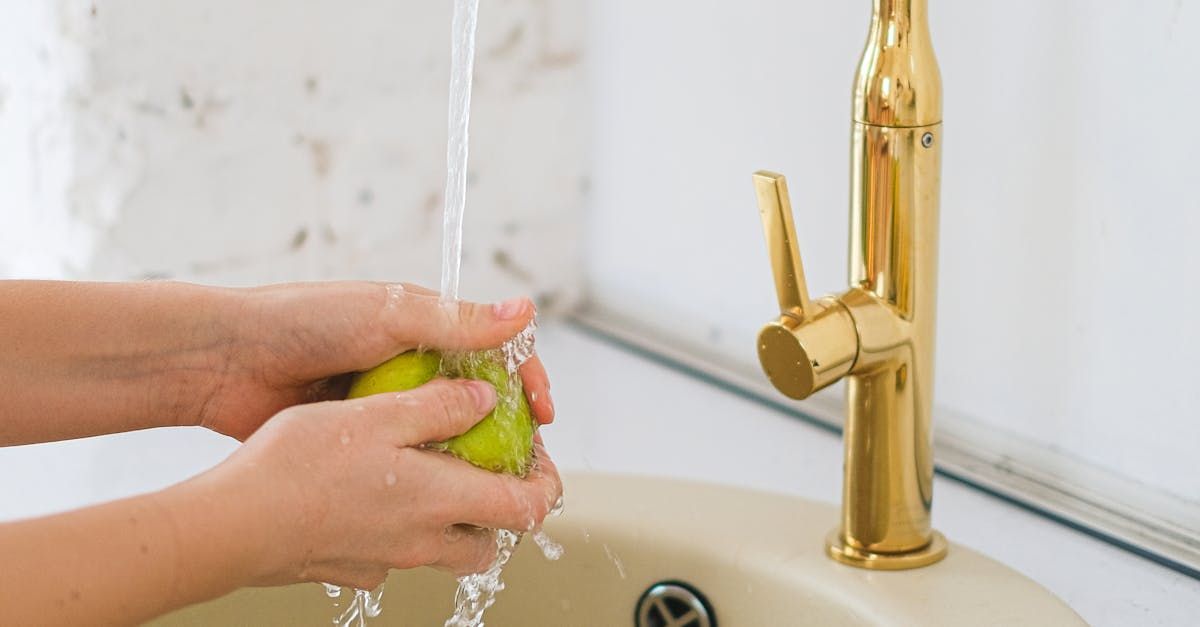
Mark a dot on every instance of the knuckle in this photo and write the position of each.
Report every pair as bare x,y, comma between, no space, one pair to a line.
556,485
484,558
540,508
469,311
470,319
512,506
406,462
415,557
455,399
447,410
370,581
427,554
407,456
478,557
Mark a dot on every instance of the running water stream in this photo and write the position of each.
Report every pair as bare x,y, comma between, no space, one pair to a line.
476,593
462,68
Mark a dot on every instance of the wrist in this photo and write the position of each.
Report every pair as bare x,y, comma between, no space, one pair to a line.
199,361
222,543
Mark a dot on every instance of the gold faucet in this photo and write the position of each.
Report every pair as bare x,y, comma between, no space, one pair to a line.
878,334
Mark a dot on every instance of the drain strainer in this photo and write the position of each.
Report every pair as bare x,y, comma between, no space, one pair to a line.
674,604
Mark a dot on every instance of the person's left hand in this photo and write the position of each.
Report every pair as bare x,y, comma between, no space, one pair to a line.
298,343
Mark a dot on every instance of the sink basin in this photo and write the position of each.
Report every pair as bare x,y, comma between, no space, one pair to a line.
757,559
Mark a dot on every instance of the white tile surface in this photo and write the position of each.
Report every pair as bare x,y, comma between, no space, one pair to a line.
621,413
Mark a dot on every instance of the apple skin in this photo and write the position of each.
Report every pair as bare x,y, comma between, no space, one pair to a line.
502,441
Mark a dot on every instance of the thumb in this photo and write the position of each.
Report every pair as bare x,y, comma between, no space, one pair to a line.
331,328
417,318
436,411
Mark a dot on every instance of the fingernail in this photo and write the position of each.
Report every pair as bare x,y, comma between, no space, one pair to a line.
509,309
484,393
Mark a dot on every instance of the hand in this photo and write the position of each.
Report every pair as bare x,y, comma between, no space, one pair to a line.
295,343
341,491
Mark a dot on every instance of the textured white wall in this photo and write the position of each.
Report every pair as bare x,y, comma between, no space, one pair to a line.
1069,208
239,142
242,142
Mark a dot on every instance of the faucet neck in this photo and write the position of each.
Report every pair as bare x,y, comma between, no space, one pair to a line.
898,82
902,10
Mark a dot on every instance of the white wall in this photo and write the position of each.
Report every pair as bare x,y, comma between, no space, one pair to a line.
198,140
243,142
1069,210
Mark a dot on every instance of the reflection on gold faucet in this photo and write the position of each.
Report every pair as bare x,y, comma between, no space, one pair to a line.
878,334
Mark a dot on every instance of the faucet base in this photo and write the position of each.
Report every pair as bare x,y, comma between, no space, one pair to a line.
931,553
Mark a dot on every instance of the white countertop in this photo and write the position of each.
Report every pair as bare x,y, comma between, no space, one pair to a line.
621,413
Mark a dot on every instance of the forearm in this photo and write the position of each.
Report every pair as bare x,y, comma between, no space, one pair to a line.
80,359
123,562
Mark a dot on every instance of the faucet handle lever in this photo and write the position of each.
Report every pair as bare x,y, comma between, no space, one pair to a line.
775,207
812,343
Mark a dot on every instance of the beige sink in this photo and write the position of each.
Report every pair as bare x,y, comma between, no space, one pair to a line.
757,557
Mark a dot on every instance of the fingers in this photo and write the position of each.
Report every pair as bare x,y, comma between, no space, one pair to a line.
436,411
467,550
419,289
537,390
545,472
533,372
499,501
323,329
415,318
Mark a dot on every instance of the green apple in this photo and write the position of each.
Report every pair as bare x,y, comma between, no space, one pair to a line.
502,441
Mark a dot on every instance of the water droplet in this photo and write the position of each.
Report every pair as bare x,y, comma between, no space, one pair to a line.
390,479
395,295
550,549
557,510
404,398
616,560
344,438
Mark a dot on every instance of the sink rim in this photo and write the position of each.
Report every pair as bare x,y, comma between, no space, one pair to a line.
756,555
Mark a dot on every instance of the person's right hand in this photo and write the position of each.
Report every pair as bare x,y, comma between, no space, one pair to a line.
342,490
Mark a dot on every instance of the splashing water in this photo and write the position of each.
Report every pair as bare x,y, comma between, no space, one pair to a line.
365,604
477,592
462,67
519,349
550,549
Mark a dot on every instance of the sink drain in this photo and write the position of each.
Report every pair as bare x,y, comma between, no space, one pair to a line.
673,604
